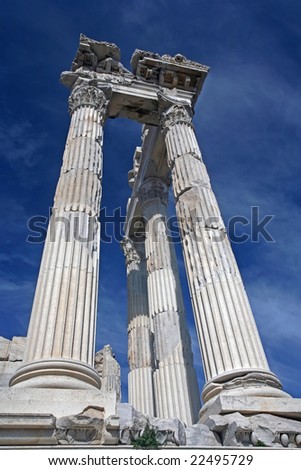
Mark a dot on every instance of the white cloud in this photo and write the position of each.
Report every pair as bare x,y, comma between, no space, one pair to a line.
277,311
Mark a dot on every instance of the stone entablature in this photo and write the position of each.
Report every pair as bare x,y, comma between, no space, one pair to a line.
166,71
98,56
134,95
169,72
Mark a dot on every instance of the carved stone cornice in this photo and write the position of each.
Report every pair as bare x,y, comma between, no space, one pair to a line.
153,189
87,95
98,56
169,72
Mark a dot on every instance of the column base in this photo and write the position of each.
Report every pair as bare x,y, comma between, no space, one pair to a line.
56,373
58,402
37,417
247,382
286,407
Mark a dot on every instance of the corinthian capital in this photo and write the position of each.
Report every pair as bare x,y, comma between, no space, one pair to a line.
87,95
176,114
173,111
153,189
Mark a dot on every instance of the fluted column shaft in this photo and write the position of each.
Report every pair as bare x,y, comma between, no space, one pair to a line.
61,335
231,348
176,389
140,337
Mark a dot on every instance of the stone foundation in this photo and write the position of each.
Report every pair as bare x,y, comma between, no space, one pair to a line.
94,426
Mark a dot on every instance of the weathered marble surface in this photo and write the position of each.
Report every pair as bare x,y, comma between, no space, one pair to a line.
231,430
109,371
175,384
12,350
140,336
7,370
11,355
84,428
61,336
132,424
19,429
228,337
59,402
261,430
4,348
87,427
248,404
17,348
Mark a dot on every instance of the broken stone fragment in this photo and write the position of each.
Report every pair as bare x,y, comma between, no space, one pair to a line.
199,435
84,428
4,348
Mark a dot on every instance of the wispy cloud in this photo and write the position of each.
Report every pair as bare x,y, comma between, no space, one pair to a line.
21,147
277,312
18,144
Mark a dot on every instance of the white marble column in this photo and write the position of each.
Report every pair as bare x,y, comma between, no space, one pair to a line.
233,356
176,389
140,337
61,335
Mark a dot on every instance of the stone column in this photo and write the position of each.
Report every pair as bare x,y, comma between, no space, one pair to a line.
233,356
61,335
109,371
176,389
140,337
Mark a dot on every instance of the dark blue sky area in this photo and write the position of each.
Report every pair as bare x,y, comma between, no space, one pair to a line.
247,121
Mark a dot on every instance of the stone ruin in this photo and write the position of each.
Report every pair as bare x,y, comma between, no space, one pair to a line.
54,389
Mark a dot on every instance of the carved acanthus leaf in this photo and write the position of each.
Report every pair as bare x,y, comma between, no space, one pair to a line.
87,95
153,188
176,113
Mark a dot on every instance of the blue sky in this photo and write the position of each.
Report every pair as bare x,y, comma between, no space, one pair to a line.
248,125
